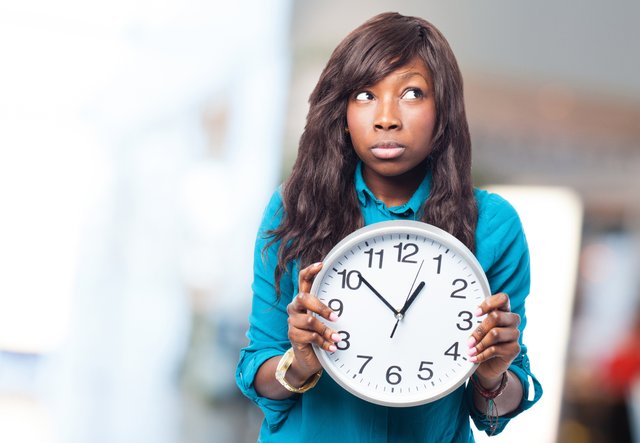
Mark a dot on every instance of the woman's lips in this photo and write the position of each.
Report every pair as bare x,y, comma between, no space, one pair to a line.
387,150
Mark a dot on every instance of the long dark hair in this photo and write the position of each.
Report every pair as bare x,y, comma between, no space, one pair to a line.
319,199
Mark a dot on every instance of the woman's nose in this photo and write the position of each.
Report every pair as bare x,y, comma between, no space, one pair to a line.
387,115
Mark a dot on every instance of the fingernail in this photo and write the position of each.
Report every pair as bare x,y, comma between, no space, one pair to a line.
336,337
478,312
333,316
473,359
333,348
471,341
315,265
472,352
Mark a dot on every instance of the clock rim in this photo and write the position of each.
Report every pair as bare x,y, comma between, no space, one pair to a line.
384,228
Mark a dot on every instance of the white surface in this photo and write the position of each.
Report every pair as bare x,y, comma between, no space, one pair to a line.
552,220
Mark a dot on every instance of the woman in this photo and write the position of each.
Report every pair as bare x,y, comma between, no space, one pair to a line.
386,138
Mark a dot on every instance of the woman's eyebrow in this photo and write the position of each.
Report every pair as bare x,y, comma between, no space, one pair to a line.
410,74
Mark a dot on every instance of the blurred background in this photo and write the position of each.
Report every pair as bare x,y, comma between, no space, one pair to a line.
140,141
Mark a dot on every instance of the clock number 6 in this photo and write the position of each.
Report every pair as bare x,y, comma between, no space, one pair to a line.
397,378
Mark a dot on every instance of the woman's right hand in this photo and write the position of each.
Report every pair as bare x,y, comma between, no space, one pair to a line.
305,328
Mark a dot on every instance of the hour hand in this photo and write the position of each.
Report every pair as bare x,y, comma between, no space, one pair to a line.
368,285
411,299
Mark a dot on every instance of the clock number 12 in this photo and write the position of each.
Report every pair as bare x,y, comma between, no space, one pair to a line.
405,251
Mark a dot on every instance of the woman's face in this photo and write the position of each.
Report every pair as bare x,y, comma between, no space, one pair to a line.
391,124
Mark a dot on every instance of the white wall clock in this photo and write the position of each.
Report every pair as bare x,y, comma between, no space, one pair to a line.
405,293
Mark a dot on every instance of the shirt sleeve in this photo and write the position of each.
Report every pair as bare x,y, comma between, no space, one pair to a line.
268,327
503,252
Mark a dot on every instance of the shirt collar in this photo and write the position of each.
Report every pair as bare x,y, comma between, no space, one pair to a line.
411,207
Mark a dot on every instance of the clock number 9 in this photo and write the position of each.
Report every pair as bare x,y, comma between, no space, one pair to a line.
332,305
347,279
466,322
423,367
397,378
344,343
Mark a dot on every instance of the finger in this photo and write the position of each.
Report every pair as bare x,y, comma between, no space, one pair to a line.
495,319
310,323
498,301
305,302
300,338
306,276
506,351
496,337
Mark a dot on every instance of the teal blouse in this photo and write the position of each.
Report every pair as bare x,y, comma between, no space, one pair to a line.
328,412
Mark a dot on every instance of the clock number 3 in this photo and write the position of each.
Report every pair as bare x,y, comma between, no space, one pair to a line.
465,323
344,343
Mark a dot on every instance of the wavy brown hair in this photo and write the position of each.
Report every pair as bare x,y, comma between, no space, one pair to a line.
319,198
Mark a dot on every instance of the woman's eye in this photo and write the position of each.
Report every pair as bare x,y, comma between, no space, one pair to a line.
412,94
363,96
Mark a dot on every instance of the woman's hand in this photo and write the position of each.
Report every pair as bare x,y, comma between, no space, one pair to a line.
494,344
305,328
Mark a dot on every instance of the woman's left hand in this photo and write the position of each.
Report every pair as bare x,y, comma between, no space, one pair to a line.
494,343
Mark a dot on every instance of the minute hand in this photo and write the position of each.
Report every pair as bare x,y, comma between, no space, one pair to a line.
363,280
411,299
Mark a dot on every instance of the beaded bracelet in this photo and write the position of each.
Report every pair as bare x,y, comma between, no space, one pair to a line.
492,410
281,370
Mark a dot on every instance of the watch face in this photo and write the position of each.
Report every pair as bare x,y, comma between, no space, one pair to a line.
405,293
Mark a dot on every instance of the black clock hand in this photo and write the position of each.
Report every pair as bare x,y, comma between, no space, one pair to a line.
414,280
400,315
362,279
411,299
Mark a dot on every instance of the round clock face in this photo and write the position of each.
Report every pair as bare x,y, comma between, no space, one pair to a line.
405,293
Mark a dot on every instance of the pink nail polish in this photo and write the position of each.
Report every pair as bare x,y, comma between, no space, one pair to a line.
473,359
478,312
336,337
333,316
333,348
471,342
472,352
